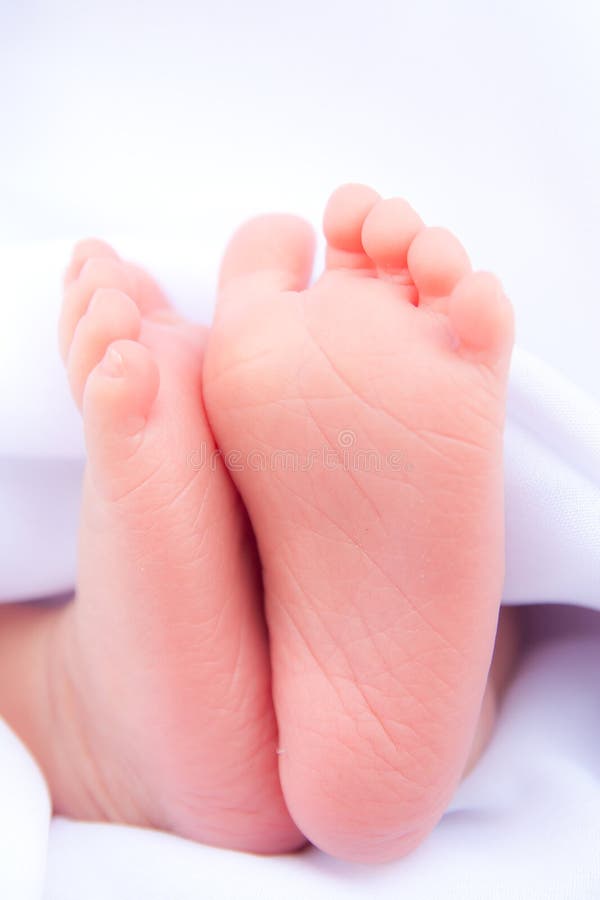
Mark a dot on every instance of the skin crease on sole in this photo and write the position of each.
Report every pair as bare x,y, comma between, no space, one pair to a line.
381,538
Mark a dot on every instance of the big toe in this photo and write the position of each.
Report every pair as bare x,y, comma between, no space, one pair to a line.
275,250
117,401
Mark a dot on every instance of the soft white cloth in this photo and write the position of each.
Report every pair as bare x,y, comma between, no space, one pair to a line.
162,119
523,825
24,814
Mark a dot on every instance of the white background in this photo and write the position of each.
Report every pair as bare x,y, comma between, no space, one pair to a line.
167,118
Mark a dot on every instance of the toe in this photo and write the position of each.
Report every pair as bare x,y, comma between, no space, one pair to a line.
104,272
270,253
436,261
280,247
481,317
388,232
148,294
117,401
88,248
111,315
345,213
96,273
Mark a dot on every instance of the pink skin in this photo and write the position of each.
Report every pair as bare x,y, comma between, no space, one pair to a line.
160,677
148,699
382,586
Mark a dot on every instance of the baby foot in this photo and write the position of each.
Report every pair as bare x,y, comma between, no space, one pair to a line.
164,686
364,418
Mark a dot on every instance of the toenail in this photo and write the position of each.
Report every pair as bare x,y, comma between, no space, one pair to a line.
112,364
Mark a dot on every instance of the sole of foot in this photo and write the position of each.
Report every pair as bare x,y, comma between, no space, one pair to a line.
161,680
364,419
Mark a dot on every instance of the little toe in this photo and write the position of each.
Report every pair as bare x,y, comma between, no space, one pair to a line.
436,261
111,315
345,213
117,401
481,317
88,248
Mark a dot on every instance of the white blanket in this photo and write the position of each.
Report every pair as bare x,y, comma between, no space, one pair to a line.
525,824
182,120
